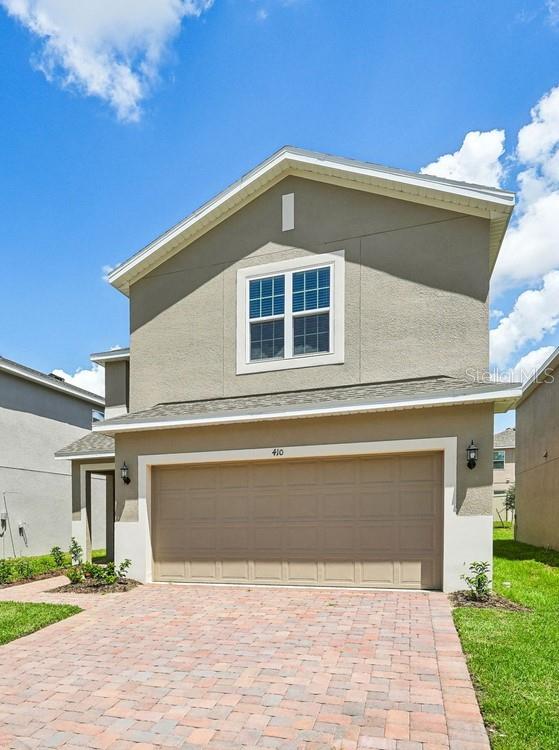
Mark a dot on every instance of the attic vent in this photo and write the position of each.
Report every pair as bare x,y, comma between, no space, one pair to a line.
56,377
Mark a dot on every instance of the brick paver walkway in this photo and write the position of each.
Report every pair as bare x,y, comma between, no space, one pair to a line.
239,668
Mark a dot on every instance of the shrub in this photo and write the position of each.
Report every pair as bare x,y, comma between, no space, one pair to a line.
23,568
76,552
75,574
510,499
58,556
123,569
6,571
478,581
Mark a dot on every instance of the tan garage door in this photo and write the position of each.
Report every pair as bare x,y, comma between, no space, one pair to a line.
367,521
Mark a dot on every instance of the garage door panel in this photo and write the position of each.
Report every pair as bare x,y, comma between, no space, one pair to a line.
266,506
377,503
300,505
342,471
302,571
378,470
337,506
365,521
417,501
235,569
377,573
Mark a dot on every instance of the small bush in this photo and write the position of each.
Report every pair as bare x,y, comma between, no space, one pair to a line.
6,571
58,556
123,569
478,581
23,569
75,574
76,552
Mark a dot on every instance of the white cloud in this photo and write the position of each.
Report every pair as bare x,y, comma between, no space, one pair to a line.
106,271
531,246
535,314
496,314
111,49
90,380
530,363
477,160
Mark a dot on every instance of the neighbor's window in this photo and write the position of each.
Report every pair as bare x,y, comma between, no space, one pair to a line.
97,416
289,316
498,459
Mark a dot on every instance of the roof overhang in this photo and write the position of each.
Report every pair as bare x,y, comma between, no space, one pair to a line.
82,456
475,200
34,376
113,355
539,377
503,400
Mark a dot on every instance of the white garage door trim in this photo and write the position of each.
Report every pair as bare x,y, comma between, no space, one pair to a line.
465,538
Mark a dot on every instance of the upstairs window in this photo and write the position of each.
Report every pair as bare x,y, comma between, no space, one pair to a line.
290,314
498,459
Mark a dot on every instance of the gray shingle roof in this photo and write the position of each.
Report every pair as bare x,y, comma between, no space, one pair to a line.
505,439
91,444
366,394
50,381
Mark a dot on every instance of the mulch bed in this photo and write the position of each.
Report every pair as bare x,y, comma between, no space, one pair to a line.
89,586
38,577
493,601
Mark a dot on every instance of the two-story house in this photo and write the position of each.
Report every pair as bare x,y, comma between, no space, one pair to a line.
38,413
301,402
503,470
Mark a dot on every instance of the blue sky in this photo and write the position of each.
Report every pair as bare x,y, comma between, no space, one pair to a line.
110,134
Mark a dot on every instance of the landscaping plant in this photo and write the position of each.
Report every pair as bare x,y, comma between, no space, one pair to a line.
75,574
76,552
58,556
6,571
478,581
23,568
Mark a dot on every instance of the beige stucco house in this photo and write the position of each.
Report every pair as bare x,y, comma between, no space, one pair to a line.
503,470
304,379
537,458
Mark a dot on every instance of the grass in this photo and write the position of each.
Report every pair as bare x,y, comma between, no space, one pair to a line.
513,656
18,619
99,555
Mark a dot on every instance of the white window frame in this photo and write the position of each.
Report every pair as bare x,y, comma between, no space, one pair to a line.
336,262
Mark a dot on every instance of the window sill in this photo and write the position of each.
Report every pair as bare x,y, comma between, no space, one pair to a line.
309,360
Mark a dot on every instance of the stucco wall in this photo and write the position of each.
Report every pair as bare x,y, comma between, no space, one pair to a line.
35,489
117,387
537,466
416,295
474,490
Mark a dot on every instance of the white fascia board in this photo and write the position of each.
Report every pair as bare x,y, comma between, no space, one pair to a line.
57,385
84,456
506,396
292,161
551,363
114,355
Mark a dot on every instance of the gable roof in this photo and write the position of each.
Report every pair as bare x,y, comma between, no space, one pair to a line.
541,375
317,402
49,381
476,200
505,439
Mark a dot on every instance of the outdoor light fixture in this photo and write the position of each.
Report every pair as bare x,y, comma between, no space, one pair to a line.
124,473
471,453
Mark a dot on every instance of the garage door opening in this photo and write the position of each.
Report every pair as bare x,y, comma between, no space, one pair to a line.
371,521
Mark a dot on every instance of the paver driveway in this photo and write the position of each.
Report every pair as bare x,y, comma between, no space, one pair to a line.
218,667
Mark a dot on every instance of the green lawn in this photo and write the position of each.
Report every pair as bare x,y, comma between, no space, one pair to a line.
22,568
17,619
514,657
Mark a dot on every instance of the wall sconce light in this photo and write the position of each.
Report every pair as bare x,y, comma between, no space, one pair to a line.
471,453
124,473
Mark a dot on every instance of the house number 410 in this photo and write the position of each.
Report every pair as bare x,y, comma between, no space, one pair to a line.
277,452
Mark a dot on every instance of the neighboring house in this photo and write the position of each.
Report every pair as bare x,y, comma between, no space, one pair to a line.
503,470
537,458
302,392
37,413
